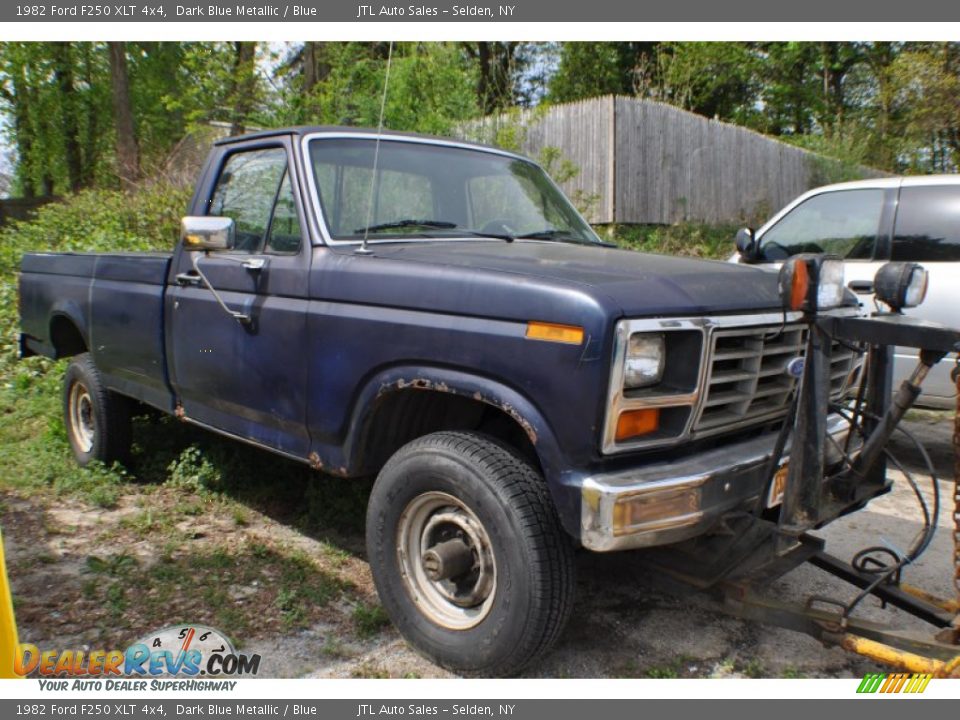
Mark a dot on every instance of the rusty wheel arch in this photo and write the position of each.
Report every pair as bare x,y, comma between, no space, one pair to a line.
406,409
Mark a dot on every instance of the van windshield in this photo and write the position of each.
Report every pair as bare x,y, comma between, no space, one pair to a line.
423,190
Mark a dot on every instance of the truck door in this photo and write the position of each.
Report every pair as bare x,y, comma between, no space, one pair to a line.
248,380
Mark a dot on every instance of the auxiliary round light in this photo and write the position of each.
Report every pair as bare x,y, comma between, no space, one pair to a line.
901,284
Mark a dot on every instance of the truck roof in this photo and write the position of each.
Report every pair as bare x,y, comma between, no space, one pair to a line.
301,130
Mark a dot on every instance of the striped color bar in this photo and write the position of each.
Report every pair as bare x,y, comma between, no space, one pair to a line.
894,683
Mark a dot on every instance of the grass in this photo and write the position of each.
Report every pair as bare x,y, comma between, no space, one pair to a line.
246,590
369,620
369,671
672,669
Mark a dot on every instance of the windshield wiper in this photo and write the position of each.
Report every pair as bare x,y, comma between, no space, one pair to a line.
560,236
407,222
437,224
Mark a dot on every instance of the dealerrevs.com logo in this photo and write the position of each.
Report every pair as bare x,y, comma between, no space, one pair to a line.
177,651
894,683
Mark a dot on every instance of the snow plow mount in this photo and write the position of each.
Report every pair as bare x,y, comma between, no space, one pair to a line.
751,548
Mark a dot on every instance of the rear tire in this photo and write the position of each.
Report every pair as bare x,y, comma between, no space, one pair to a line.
468,555
97,420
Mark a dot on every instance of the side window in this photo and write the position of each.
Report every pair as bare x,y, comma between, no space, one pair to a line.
928,224
284,234
844,222
246,191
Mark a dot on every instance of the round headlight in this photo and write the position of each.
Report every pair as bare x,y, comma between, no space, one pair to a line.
643,365
901,284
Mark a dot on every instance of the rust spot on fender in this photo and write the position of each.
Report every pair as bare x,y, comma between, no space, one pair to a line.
521,420
315,462
425,384
417,384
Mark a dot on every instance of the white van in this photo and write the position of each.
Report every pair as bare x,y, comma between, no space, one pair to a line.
869,222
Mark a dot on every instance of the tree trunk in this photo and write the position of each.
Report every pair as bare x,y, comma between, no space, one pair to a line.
243,85
63,76
309,67
485,79
91,148
128,153
18,98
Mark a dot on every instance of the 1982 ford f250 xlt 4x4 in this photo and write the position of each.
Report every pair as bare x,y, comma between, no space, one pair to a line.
438,314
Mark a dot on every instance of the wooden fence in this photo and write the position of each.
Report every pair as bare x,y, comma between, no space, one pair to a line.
646,162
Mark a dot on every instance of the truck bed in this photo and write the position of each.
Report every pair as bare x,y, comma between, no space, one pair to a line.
115,301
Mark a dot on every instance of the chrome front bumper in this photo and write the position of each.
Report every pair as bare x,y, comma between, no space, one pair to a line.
680,499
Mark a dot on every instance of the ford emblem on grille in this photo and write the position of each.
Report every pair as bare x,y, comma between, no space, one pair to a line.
795,367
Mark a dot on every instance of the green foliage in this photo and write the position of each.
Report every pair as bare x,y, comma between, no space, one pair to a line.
593,69
33,445
193,472
369,620
431,88
686,239
714,79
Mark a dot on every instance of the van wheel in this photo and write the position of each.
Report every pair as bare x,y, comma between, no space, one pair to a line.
468,555
97,421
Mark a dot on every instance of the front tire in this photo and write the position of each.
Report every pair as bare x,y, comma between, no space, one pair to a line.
97,420
468,555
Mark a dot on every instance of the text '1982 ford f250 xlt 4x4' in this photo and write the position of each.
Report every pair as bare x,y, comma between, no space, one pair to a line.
438,314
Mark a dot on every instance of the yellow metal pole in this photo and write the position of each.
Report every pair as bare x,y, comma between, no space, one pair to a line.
951,606
898,658
8,625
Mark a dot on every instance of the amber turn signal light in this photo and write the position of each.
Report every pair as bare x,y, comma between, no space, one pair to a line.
634,423
551,332
799,286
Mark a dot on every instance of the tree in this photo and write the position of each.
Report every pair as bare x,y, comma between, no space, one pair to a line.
714,79
63,61
128,152
498,67
594,69
243,87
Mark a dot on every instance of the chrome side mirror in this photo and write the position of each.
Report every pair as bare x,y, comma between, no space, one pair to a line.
205,233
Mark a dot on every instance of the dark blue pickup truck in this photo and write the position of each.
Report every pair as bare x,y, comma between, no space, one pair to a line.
439,315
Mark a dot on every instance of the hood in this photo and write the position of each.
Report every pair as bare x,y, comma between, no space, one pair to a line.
638,284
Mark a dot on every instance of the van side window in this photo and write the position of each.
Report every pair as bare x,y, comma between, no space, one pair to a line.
842,222
246,191
928,224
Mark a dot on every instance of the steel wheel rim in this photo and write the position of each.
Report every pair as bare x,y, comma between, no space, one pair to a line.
436,518
82,424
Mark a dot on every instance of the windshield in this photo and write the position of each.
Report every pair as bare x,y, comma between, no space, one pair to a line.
437,191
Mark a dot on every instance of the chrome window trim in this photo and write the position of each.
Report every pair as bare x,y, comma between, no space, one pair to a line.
617,401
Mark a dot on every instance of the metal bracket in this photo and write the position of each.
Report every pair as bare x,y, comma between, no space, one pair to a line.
242,318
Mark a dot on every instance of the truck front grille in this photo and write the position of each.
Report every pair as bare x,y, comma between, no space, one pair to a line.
746,381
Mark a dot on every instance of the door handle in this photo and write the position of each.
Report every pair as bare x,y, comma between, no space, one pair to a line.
189,278
861,287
